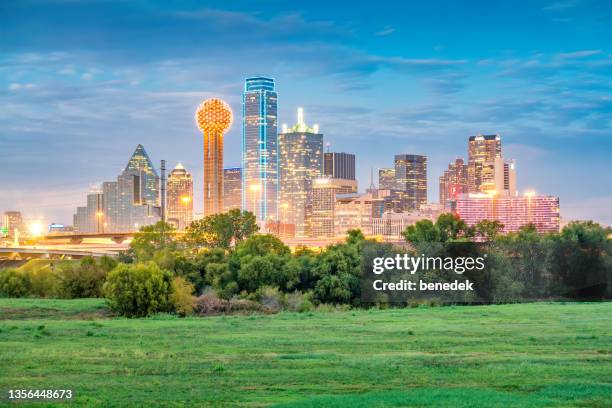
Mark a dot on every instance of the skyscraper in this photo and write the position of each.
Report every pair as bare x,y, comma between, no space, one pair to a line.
232,188
339,165
180,197
411,178
124,205
213,117
260,192
386,179
141,167
453,183
300,162
482,151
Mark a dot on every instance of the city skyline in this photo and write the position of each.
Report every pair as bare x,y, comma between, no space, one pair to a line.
548,99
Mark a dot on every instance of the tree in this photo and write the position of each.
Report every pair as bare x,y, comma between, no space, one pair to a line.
488,230
14,283
82,279
581,259
339,270
138,290
422,231
221,230
452,227
182,296
151,239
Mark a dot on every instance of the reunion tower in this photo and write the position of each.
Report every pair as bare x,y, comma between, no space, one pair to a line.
213,117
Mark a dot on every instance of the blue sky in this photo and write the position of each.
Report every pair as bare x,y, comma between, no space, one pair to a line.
83,82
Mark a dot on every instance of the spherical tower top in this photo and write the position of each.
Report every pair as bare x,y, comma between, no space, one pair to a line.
213,116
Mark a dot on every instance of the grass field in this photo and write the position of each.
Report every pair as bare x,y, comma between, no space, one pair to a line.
531,355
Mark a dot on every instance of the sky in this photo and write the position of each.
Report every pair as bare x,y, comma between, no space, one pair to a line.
83,82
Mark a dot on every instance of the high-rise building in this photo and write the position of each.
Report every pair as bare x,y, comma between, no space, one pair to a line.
232,188
386,179
482,151
213,117
12,220
324,192
260,192
453,183
140,166
505,177
180,197
354,211
512,212
339,165
124,205
411,178
300,162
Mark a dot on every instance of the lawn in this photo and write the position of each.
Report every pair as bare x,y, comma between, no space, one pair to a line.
531,355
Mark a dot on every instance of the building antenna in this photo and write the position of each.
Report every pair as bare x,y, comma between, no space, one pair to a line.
372,179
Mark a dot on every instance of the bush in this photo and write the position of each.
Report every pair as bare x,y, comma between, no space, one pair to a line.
270,298
43,279
210,304
298,302
84,279
182,296
138,290
14,283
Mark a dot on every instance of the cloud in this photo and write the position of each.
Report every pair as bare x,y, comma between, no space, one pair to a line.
580,54
562,5
385,31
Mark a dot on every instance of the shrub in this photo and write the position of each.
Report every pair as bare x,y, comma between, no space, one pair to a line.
244,305
270,298
210,304
298,302
42,277
14,283
138,290
182,296
82,280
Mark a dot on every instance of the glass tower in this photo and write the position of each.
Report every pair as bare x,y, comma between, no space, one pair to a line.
411,178
260,192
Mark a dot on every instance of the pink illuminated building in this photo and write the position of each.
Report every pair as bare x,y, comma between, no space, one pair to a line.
513,212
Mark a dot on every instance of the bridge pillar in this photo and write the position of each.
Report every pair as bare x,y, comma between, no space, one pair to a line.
118,240
76,240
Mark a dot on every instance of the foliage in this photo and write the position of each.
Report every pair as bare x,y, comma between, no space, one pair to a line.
14,283
182,296
138,290
83,279
221,230
152,239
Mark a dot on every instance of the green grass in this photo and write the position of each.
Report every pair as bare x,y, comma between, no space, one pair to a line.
531,355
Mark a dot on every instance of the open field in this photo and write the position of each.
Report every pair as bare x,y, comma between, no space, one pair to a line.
531,355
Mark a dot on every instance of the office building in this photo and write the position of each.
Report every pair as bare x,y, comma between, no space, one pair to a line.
339,165
453,183
512,212
179,206
505,177
232,188
260,192
124,205
354,211
324,192
411,178
300,162
12,221
386,179
214,118
482,151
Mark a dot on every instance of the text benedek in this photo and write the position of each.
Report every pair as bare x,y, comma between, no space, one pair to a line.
409,285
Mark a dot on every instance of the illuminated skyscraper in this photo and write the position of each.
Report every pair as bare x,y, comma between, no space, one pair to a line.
232,188
411,178
260,192
213,117
386,179
482,151
180,197
300,162
339,165
453,183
